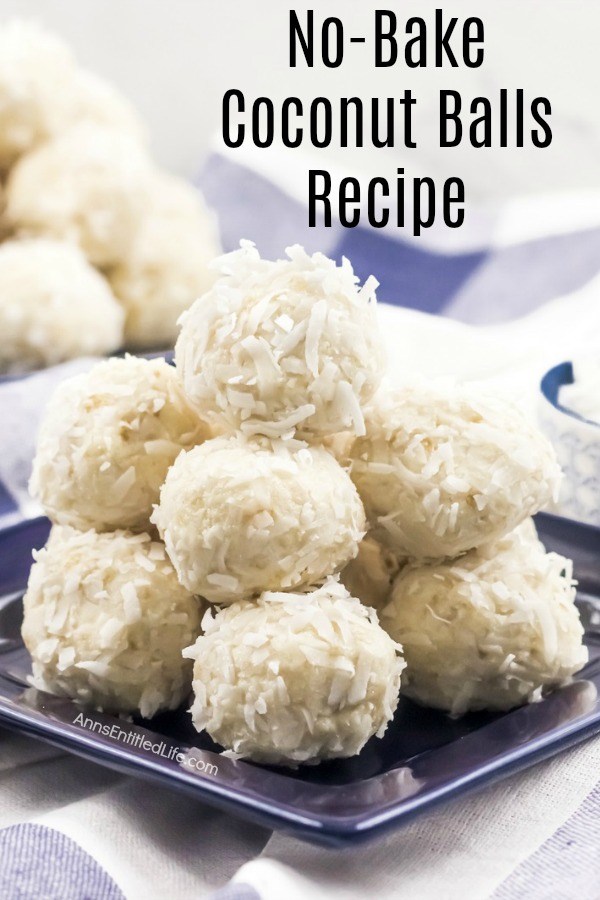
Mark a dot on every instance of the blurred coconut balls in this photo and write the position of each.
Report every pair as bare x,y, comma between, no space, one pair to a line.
75,170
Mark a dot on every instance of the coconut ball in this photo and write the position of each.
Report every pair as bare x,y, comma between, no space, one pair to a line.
107,440
281,346
489,630
445,468
295,678
53,306
87,186
167,268
105,622
240,517
36,73
339,445
99,102
370,574
178,200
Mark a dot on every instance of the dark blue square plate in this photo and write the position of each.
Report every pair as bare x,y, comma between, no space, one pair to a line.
424,758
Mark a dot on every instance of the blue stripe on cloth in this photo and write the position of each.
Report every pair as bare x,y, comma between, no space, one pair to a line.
409,276
41,862
8,504
515,280
250,206
484,286
567,865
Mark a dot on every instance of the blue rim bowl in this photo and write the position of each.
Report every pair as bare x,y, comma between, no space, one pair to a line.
551,384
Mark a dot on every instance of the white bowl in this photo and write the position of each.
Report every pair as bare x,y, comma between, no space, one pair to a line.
577,444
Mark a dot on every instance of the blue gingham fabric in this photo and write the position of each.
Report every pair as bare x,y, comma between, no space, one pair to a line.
566,865
43,863
536,835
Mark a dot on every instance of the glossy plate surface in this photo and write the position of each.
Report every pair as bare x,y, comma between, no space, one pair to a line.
424,757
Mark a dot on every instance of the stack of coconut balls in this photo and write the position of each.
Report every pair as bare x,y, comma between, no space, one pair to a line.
100,248
269,461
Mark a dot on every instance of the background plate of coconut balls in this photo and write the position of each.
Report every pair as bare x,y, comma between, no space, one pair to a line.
270,577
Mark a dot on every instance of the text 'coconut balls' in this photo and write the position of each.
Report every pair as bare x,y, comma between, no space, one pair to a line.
295,678
489,630
445,468
278,347
241,516
106,622
107,440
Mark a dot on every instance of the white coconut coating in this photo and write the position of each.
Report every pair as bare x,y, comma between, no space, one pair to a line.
5,226
107,440
445,468
370,574
295,678
100,102
36,74
53,306
240,517
87,186
278,347
167,268
105,622
489,630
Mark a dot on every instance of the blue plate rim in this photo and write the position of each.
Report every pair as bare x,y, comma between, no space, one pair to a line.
327,829
319,827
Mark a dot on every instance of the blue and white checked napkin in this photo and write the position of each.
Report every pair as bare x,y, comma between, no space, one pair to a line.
512,292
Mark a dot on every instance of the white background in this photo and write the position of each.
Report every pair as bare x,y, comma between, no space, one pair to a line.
175,59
